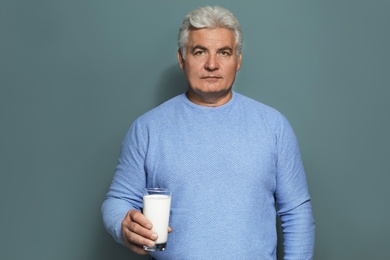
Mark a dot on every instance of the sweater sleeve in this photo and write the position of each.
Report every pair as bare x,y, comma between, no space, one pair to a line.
292,196
126,190
298,232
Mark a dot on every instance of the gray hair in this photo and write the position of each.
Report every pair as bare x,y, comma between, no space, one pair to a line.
209,17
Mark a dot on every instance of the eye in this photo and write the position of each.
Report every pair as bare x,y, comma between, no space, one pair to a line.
225,53
199,52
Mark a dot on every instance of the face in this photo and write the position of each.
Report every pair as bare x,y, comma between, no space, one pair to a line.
210,65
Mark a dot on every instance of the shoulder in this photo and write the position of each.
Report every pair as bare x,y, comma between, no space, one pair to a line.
261,114
258,108
153,120
162,111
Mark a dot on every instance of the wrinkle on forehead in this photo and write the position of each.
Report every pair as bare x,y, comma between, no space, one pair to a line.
217,38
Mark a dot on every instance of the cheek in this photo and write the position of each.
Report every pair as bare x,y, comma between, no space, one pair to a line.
195,66
191,75
193,71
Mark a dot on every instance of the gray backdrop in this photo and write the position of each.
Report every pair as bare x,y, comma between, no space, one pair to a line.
75,74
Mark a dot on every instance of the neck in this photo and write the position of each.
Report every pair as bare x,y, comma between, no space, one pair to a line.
209,99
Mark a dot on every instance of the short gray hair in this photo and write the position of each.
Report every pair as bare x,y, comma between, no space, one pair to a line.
210,17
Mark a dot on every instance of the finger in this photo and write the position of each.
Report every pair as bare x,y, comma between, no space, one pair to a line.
134,240
140,231
139,218
136,233
138,249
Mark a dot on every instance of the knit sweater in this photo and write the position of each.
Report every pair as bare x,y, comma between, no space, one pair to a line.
227,168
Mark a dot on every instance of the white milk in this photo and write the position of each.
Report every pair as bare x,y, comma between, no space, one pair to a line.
156,209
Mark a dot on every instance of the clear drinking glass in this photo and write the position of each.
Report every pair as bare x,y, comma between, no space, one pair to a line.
157,206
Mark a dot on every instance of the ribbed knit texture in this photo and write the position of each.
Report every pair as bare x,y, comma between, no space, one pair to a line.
225,166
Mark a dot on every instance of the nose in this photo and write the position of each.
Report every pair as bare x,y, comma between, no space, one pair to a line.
211,63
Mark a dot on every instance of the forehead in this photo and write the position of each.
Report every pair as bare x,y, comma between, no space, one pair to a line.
211,37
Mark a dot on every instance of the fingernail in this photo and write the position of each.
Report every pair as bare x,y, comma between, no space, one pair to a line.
154,236
149,226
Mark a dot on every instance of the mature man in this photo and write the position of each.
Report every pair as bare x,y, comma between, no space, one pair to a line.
227,159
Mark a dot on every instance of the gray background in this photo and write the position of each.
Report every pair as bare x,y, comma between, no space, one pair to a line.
75,74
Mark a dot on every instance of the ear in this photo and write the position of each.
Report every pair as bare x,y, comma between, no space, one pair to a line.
239,60
180,59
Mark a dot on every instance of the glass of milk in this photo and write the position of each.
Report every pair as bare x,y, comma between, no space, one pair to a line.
157,205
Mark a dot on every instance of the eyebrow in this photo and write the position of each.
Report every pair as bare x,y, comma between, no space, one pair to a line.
226,48
201,47
198,47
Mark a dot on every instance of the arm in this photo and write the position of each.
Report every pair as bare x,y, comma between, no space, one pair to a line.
121,209
298,232
293,198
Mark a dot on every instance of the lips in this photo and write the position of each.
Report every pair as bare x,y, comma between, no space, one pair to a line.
211,77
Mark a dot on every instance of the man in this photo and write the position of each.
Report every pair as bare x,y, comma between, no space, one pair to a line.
226,158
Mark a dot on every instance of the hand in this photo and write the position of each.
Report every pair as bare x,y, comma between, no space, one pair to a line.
137,231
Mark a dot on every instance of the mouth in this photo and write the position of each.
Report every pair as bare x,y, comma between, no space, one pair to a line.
211,77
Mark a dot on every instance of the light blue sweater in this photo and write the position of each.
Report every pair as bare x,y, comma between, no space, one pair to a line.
227,167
